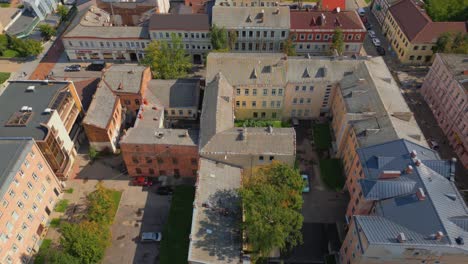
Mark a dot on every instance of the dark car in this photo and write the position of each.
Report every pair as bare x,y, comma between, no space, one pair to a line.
380,51
96,66
142,181
368,25
293,6
165,190
73,68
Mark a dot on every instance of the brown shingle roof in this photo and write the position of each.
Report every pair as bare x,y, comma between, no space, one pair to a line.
179,22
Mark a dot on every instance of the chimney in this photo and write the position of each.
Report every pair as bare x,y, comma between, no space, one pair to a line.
389,174
414,154
409,169
439,235
421,195
417,162
401,238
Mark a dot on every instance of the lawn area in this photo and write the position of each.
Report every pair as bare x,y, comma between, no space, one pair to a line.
4,76
4,5
61,206
331,172
116,195
69,190
368,1
40,258
55,222
262,123
322,136
10,54
175,242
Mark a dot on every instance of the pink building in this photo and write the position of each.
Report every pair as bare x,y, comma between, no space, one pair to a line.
29,190
446,91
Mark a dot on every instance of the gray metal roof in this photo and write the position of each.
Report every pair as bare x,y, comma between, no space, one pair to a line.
251,17
176,93
102,107
15,96
124,78
216,237
421,219
187,22
384,189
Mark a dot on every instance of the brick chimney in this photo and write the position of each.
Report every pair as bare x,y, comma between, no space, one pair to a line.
409,169
421,195
414,154
439,235
417,162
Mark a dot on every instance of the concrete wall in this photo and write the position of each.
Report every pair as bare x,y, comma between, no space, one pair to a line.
259,99
307,100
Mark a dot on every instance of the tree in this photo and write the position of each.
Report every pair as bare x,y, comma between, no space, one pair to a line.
338,41
47,31
86,241
232,39
101,208
62,11
288,47
28,47
219,38
167,61
60,257
447,10
452,43
272,202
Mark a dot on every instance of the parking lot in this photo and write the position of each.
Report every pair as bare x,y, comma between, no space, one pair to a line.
59,73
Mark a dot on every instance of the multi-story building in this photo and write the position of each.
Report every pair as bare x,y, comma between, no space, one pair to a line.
197,6
132,13
29,190
247,3
312,31
94,38
45,111
180,98
368,109
412,33
193,29
41,8
415,212
258,29
445,90
380,8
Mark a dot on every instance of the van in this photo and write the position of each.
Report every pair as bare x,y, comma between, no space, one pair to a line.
361,11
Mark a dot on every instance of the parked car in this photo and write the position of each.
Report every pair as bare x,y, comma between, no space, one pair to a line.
376,42
434,145
305,178
361,11
380,51
148,237
96,66
371,33
293,6
368,25
364,19
165,190
73,68
295,122
142,181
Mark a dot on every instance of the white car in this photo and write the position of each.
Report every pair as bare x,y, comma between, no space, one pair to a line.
371,33
151,237
376,42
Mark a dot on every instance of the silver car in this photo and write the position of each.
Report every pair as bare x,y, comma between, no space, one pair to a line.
148,237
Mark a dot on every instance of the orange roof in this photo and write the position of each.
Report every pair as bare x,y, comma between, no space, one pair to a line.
333,4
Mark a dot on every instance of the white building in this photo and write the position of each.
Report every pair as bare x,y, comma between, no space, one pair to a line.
41,7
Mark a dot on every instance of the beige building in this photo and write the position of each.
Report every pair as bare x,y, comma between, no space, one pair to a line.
239,3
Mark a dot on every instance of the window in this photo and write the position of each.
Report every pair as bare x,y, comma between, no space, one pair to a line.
419,58
39,166
301,100
325,37
24,227
30,186
9,226
19,237
34,175
20,204
175,161
278,104
39,198
255,114
137,101
423,48
254,92
15,215
283,34
416,48
25,195
297,88
34,207
30,217
280,91
135,159
304,88
244,104
246,92
5,203
11,193
265,92
295,101
411,57
160,161
260,158
310,36
181,112
302,36
309,100
254,103
272,104
43,188
26,163
237,103
264,103
21,173
138,170
318,37
350,36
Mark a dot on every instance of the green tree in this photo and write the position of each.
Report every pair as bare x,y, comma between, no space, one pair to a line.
338,41
47,31
288,47
62,11
447,10
60,257
219,38
452,43
167,61
272,202
232,39
28,47
101,208
86,241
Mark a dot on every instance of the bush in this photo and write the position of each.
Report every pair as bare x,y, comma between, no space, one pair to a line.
62,206
261,123
93,153
55,222
69,190
103,204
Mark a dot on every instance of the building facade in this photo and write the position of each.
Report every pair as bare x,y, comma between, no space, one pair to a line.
445,91
28,194
41,7
380,8
132,13
312,31
247,3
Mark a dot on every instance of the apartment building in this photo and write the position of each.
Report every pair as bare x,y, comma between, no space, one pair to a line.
180,98
258,29
368,109
412,33
41,8
132,13
416,214
312,31
29,191
380,8
445,91
94,38
248,3
193,29
45,111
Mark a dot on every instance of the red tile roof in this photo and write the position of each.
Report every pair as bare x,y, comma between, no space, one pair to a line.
418,26
311,20
331,5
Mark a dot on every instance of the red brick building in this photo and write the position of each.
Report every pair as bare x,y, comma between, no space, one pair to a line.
332,5
312,31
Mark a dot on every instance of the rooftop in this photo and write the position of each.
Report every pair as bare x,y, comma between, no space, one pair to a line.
442,208
26,22
215,235
28,123
179,22
154,135
457,64
251,17
124,78
176,93
311,20
102,107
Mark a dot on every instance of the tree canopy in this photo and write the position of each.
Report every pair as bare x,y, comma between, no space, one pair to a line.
288,47
47,31
272,202
62,11
219,39
338,41
447,10
101,208
27,47
452,43
167,60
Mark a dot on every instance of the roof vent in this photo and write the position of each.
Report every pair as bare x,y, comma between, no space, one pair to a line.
306,72
401,238
439,235
159,134
421,195
31,88
451,196
417,162
414,154
409,169
459,240
24,108
338,9
389,174
47,111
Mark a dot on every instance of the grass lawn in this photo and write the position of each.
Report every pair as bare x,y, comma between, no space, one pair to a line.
322,136
42,249
4,5
331,172
61,206
116,195
262,123
69,190
55,222
175,242
10,54
4,76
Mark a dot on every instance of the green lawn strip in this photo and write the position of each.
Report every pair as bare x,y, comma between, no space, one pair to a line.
69,190
55,222
40,257
4,5
261,123
61,206
175,242
322,136
116,195
331,173
10,54
4,76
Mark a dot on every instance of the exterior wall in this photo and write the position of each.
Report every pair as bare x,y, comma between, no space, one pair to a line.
353,244
41,7
307,100
248,3
23,215
181,113
380,9
157,160
448,101
319,41
407,52
129,13
131,102
259,102
260,39
250,161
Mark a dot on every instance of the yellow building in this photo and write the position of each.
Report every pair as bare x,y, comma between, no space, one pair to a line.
412,33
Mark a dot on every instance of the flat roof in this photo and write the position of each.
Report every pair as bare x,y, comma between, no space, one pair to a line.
176,93
25,20
15,96
163,136
179,22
